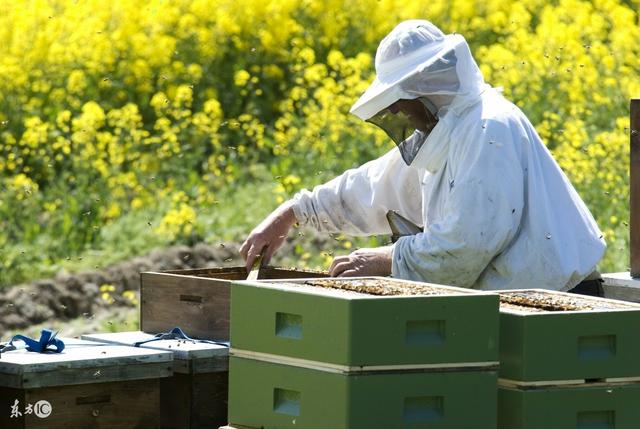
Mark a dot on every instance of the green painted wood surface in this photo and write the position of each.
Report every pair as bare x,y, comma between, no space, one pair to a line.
349,329
569,345
274,396
82,362
188,357
604,407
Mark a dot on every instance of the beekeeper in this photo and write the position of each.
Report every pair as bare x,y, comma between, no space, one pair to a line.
469,167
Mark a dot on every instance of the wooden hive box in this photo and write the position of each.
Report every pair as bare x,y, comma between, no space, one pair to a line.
564,338
85,386
196,395
197,300
269,395
305,322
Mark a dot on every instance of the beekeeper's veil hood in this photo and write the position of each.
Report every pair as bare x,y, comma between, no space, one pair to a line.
418,61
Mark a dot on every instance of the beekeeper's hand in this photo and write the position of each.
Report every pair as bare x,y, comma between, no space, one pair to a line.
268,236
363,262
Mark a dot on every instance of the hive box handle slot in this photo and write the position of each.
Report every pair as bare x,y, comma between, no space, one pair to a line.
423,408
425,332
97,399
597,347
196,299
286,402
597,420
289,325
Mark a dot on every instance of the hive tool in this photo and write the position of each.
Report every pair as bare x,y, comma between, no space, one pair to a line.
401,226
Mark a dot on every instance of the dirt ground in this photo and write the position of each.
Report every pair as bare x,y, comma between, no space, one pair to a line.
78,296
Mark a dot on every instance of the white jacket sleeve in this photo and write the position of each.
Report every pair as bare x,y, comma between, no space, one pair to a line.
479,217
357,201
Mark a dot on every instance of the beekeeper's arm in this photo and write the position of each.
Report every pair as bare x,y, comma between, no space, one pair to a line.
355,203
481,215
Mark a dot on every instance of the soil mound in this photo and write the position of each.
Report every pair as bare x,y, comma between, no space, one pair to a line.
68,296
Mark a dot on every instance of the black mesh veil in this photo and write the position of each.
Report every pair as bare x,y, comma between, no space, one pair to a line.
408,135
410,131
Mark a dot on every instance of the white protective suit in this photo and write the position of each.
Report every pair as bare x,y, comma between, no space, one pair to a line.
497,211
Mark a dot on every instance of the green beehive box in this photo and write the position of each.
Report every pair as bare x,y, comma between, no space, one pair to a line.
580,407
275,396
553,336
342,329
195,396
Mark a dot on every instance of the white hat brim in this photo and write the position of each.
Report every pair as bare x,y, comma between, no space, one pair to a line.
380,95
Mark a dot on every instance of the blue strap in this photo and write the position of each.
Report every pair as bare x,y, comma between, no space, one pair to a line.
47,340
178,334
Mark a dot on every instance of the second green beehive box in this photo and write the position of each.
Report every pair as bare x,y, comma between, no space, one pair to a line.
587,406
341,324
558,337
275,396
